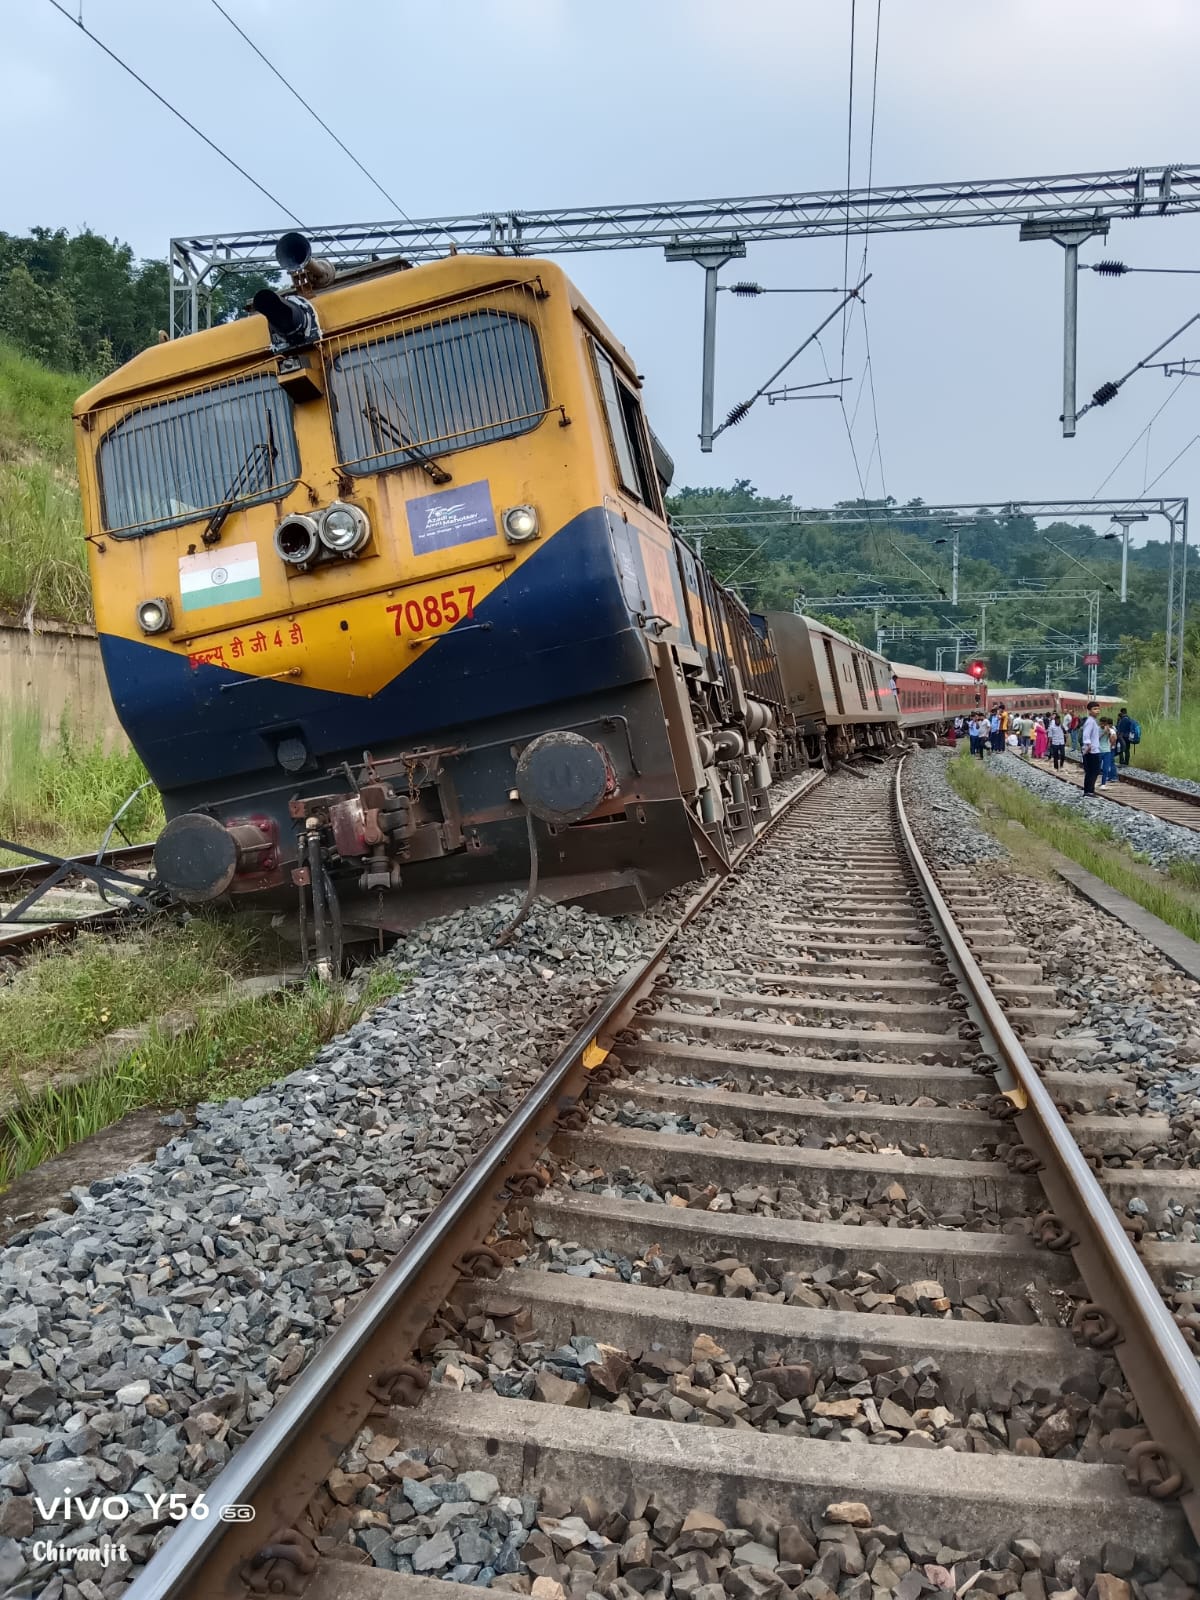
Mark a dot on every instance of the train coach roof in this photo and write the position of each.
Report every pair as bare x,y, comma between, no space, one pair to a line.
784,619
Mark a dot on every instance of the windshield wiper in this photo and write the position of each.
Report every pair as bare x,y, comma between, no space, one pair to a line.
244,480
385,427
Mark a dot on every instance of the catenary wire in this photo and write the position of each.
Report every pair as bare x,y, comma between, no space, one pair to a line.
1173,460
175,111
1095,495
316,116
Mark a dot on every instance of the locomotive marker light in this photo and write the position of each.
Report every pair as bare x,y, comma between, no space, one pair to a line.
154,616
297,539
343,528
520,524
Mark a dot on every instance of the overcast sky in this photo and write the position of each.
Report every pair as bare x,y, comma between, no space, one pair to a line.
471,105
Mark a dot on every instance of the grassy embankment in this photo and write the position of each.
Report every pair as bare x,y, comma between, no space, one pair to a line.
58,788
1172,898
43,571
1168,745
57,1009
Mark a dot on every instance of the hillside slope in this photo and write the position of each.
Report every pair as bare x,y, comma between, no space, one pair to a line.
43,571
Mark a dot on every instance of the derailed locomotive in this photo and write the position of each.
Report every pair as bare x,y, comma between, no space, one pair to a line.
389,603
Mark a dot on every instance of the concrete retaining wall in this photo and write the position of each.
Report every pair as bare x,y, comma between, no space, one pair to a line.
55,670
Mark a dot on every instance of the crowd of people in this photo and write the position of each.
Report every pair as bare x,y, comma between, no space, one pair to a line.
1101,743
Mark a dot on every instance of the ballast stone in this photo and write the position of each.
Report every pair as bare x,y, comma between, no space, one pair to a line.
211,1272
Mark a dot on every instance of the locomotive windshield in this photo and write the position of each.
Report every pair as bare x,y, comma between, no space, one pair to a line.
410,396
196,454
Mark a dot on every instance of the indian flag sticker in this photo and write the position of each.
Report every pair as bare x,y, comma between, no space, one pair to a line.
219,577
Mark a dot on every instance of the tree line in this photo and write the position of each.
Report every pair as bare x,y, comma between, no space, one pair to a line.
82,303
779,563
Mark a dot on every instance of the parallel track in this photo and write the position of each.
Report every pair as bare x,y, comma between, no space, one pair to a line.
15,882
866,993
1140,792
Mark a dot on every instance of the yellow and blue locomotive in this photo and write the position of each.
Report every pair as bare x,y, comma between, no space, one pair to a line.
388,599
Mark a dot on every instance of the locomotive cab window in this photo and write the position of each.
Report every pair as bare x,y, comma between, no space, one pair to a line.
407,397
626,428
176,460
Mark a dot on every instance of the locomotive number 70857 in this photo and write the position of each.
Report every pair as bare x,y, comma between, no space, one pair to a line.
433,611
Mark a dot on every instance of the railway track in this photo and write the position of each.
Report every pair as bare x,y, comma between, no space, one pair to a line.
789,1276
69,900
1139,792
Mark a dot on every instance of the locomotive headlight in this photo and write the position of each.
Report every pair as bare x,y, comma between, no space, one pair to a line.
154,616
344,528
296,539
520,524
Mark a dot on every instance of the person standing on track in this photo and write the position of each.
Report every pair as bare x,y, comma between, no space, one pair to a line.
1057,736
1108,752
1040,738
1090,740
1124,736
996,730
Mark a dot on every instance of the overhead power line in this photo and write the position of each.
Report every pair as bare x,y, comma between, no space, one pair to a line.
1108,391
312,111
78,22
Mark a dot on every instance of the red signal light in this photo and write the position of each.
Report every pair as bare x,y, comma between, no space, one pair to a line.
977,669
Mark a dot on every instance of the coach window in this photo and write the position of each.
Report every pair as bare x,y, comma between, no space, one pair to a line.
626,428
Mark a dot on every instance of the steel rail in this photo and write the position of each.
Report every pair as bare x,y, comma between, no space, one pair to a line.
24,938
25,876
196,1560
1137,779
1162,1372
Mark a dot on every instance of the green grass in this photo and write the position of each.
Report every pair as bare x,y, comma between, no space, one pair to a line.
60,1004
59,792
35,410
1090,844
61,1001
43,570
1170,745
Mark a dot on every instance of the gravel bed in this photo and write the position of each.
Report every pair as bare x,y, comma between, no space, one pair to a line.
823,1049
143,1336
731,936
557,1546
946,826
1161,842
629,1114
752,1083
875,1200
875,1289
872,1400
1142,1012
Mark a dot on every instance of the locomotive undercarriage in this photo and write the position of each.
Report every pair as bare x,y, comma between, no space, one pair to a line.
375,842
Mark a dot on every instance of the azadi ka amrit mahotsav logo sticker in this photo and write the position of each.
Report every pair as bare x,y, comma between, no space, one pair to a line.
219,577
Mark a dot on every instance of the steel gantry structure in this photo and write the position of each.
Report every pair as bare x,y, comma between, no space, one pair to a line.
1173,508
961,636
1064,208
